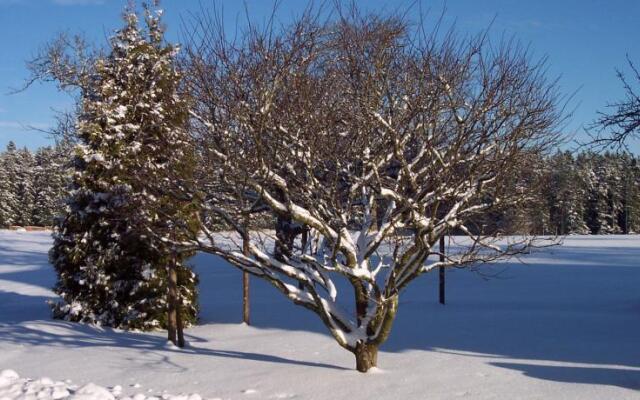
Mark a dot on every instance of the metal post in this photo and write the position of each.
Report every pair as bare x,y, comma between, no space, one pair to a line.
245,283
441,272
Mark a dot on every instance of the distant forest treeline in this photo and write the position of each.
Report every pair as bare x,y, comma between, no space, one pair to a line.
587,193
33,185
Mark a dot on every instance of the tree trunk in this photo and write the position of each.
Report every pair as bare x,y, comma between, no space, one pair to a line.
366,356
179,323
362,300
172,314
245,298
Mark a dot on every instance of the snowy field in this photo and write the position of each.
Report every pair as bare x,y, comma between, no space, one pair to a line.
565,325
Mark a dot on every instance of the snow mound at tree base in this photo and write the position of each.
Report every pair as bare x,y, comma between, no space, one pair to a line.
12,387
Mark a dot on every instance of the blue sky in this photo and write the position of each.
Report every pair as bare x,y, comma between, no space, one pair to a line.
584,42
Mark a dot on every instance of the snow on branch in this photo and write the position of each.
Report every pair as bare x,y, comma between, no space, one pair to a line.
344,150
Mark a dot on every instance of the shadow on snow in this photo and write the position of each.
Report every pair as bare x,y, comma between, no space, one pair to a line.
547,310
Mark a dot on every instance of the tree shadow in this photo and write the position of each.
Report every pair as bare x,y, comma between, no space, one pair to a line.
25,316
25,258
82,336
573,304
628,379
568,304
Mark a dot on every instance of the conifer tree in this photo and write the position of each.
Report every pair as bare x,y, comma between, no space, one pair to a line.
49,184
6,217
23,184
630,180
6,194
565,195
9,204
112,264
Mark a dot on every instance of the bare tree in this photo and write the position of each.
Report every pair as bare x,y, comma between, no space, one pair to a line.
615,129
351,145
68,62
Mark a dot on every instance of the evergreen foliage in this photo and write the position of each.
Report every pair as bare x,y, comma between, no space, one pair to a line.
587,193
591,193
32,186
10,204
111,261
49,183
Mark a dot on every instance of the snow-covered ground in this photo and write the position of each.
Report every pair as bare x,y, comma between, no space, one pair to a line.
566,325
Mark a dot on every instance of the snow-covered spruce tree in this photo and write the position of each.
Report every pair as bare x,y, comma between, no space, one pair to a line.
7,195
49,183
9,204
370,140
531,217
604,192
6,214
111,267
630,180
16,186
566,195
44,176
24,189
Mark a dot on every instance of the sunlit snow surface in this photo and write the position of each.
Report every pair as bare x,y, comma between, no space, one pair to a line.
564,325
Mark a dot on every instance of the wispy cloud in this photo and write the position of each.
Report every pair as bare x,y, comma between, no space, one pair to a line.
23,126
77,2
